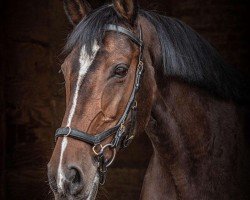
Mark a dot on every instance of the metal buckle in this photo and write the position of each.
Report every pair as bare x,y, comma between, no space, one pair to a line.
122,127
127,141
140,63
135,105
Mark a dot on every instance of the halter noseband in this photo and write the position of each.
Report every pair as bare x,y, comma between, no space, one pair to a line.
122,137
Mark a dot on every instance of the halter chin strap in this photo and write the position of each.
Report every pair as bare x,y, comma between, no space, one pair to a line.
122,137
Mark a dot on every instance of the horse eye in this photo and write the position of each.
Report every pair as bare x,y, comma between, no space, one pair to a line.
121,71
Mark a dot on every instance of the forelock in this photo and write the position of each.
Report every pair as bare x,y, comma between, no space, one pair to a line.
91,29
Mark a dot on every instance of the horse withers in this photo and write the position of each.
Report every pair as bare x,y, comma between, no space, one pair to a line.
130,71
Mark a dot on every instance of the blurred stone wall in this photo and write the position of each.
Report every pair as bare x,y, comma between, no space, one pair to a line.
2,110
223,23
34,32
30,74
32,91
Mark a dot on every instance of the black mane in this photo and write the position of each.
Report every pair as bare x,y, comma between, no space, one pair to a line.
185,54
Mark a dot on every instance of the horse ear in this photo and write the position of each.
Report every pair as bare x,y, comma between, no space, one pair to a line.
76,10
128,9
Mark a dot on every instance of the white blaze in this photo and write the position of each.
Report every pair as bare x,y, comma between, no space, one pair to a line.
60,174
85,61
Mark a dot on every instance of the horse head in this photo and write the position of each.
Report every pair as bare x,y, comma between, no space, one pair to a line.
106,83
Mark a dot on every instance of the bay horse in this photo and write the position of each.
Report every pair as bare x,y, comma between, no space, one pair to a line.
130,71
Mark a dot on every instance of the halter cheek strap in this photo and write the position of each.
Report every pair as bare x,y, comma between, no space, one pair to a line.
122,137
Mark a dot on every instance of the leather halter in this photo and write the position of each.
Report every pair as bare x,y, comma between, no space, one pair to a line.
122,137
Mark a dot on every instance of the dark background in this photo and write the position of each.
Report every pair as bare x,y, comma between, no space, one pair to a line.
32,36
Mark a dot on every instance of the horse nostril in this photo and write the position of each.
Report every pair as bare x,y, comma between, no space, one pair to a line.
75,176
75,180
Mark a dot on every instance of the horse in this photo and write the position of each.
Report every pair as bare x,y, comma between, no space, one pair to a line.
130,71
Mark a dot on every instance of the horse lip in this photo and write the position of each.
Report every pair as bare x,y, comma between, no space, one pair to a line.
71,197
92,194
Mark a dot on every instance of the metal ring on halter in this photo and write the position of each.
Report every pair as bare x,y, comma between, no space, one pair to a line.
113,155
102,150
68,132
94,149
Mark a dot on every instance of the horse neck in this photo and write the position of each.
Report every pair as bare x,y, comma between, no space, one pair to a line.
194,116
190,117
191,133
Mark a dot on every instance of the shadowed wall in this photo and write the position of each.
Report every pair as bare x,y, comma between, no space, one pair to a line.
32,91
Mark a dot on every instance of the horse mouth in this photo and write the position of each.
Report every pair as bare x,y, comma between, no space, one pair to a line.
94,189
91,195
